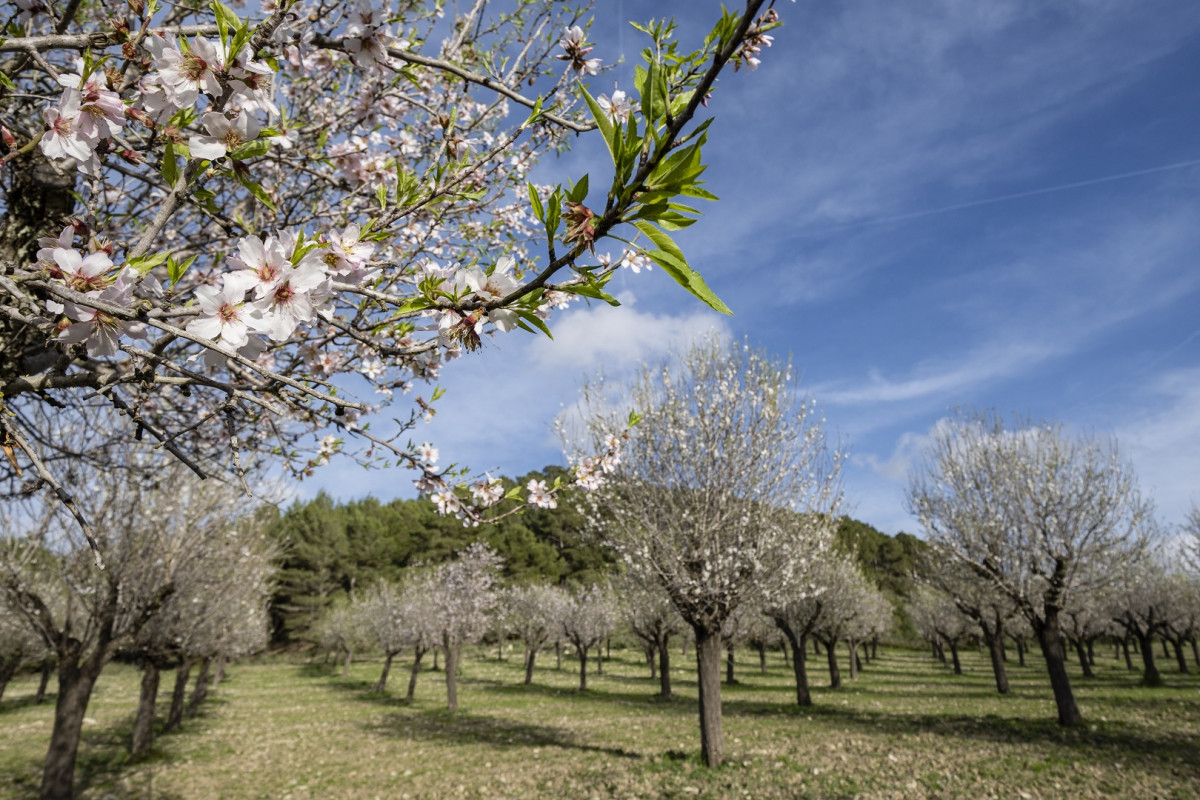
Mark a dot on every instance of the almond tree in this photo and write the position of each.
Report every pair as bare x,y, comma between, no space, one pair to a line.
990,610
218,608
464,594
382,612
938,619
724,493
588,617
1035,513
653,619
236,228
533,613
152,520
1140,603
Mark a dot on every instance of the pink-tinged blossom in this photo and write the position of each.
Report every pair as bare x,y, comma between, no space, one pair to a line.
83,274
576,51
225,135
224,314
428,454
539,495
101,112
101,331
487,492
447,502
259,265
619,106
348,255
65,139
289,302
635,261
185,75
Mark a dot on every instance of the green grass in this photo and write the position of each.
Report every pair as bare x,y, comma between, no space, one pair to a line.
907,728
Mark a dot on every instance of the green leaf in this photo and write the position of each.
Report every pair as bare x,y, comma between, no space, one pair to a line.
579,191
534,114
533,319
671,259
604,122
381,195
255,189
252,149
588,290
169,169
176,269
226,19
536,201
144,264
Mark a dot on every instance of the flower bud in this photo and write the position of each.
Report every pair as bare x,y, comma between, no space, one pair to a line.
132,156
10,141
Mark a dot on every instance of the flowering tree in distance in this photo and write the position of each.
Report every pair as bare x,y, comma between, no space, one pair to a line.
1037,514
235,225
724,495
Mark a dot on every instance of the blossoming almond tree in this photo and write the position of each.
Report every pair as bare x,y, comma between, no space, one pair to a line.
1036,514
247,229
725,493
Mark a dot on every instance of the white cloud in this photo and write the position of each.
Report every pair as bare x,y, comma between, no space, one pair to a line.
1164,443
942,380
619,338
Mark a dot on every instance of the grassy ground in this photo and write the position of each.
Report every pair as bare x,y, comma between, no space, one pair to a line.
907,728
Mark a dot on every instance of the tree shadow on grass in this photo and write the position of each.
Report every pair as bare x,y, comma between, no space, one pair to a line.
105,763
460,727
1159,750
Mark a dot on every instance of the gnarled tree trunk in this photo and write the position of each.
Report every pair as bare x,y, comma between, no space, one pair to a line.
708,663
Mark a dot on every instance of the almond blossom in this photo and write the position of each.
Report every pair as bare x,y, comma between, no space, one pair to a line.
225,135
224,315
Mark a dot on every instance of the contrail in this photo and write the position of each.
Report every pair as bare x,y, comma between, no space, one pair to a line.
1006,197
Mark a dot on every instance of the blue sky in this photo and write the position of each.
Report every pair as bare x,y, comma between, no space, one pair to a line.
926,205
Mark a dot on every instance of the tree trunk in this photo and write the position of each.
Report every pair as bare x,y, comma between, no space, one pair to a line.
582,667
530,655
412,675
816,647
1166,652
800,670
1128,658
787,653
143,725
178,695
7,670
999,670
954,657
346,663
436,655
729,678
664,669
708,663
219,673
1091,650
874,649
1196,652
75,683
761,647
1150,677
558,655
835,674
652,661
451,668
1084,663
200,690
853,651
1178,645
599,659
1050,639
381,686
44,681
